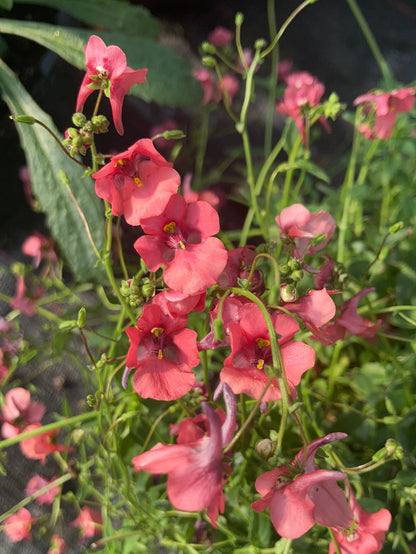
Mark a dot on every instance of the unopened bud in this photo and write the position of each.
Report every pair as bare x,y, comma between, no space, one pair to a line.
209,61
288,293
259,44
297,275
82,314
239,18
79,119
396,227
100,124
208,48
265,448
28,119
175,134
218,329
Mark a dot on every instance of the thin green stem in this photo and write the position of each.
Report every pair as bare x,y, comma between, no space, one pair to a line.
372,43
271,101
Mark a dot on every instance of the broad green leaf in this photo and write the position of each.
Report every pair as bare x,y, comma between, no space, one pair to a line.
117,15
169,79
45,159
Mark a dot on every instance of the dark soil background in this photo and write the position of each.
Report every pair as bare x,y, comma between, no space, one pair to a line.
324,40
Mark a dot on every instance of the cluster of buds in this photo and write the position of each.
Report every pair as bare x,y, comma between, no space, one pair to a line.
78,139
132,292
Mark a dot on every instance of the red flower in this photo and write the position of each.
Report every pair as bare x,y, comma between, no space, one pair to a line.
175,303
366,534
163,352
107,69
138,182
244,369
316,307
181,239
386,106
17,526
230,313
299,226
40,446
303,93
89,522
19,412
300,494
195,469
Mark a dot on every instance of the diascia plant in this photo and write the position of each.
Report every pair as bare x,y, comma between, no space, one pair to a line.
246,389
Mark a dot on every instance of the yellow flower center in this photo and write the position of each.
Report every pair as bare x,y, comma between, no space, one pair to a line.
157,331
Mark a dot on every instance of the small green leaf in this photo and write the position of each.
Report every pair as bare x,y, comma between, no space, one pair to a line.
45,159
118,15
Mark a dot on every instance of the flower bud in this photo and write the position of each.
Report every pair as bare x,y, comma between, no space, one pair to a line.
79,119
175,134
209,61
265,448
208,48
82,314
28,119
288,293
100,124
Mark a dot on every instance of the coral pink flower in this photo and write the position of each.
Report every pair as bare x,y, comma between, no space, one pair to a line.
89,522
195,469
316,307
300,494
230,313
107,69
58,545
386,107
40,446
348,320
206,79
36,483
299,226
19,412
220,37
179,304
138,182
24,300
181,239
213,197
303,93
39,248
366,534
163,352
17,526
228,87
244,370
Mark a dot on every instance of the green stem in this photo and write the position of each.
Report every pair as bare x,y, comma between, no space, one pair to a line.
371,41
289,175
271,101
75,420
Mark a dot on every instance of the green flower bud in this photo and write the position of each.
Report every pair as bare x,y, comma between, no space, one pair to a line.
175,134
297,275
79,119
100,124
218,329
209,61
396,227
208,48
239,18
28,119
82,314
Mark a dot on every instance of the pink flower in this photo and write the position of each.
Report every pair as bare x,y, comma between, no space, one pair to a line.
228,87
303,93
300,494
316,307
366,534
386,106
138,182
40,446
36,483
58,545
230,313
348,320
24,300
220,37
216,199
195,469
181,239
244,370
39,248
299,227
206,79
89,522
163,352
17,526
175,303
19,412
107,69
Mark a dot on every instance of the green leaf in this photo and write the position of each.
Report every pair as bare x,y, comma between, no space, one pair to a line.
169,79
45,159
117,15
